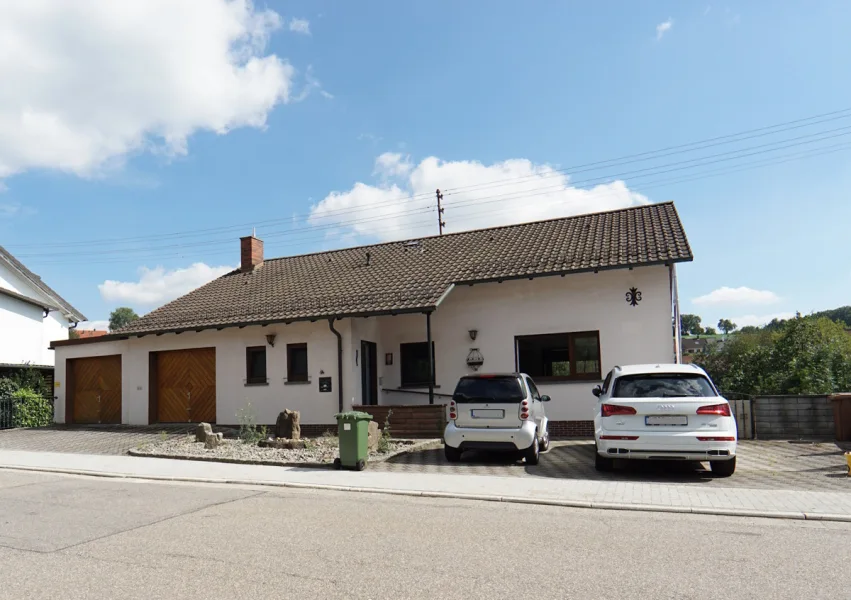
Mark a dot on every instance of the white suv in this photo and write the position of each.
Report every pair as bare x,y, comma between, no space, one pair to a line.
669,412
497,412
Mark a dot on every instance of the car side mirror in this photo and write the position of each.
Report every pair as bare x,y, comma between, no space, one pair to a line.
597,391
545,398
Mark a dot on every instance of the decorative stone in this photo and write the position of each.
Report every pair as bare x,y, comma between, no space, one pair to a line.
203,431
213,440
283,444
374,436
288,425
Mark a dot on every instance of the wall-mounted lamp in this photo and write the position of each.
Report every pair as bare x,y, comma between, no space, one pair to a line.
270,338
473,333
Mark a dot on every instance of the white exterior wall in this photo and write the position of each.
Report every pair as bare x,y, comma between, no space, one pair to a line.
231,392
501,311
25,334
498,311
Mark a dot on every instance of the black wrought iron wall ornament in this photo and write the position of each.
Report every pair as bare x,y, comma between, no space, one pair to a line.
633,296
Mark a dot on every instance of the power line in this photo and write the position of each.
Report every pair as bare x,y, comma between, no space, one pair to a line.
410,227
635,174
628,159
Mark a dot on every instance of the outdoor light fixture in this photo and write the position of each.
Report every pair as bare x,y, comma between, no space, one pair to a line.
473,333
270,337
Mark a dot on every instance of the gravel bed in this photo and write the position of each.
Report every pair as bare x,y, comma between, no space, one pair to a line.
319,451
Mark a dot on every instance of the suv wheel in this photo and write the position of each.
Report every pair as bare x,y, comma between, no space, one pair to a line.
723,468
453,455
603,463
533,453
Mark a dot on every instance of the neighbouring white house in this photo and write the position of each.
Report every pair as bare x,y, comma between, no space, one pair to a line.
32,316
395,324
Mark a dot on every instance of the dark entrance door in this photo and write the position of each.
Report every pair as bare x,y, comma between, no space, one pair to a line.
369,373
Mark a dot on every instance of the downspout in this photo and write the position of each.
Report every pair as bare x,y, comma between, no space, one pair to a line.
675,303
339,362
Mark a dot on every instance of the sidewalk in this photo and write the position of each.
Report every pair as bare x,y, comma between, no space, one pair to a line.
617,495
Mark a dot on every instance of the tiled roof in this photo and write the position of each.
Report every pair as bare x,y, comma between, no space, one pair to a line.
35,280
411,276
90,333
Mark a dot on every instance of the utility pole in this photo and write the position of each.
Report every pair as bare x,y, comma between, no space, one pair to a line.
440,222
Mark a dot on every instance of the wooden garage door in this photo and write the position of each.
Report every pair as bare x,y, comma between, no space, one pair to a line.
96,389
186,386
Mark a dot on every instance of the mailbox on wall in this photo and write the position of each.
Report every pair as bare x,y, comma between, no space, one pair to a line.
324,384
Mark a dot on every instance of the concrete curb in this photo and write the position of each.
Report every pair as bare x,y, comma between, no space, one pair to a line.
799,516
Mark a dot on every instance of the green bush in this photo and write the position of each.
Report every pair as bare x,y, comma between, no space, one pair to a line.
30,409
7,388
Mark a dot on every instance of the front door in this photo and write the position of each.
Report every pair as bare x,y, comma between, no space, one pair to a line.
369,373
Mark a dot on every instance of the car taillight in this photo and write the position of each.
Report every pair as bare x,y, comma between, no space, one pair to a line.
452,412
722,410
610,410
524,410
716,439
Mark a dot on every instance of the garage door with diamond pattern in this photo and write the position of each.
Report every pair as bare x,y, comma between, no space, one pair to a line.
186,386
95,390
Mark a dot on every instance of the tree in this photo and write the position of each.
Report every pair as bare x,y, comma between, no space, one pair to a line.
804,355
710,330
726,325
73,334
690,324
749,329
121,317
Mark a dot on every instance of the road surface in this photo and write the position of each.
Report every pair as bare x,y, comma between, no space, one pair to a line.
90,538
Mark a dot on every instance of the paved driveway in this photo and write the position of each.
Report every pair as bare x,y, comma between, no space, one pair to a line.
91,439
760,465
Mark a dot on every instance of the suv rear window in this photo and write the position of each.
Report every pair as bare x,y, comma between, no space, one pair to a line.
663,385
488,389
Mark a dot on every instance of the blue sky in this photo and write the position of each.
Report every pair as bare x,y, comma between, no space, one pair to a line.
209,118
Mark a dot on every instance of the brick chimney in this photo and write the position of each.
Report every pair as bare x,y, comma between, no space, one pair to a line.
251,253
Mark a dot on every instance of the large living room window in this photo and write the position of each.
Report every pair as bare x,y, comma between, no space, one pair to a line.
415,365
559,356
255,365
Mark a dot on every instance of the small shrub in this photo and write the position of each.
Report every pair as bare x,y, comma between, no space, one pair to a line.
30,409
163,436
384,440
248,432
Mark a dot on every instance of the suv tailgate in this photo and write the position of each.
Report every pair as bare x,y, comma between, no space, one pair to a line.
489,402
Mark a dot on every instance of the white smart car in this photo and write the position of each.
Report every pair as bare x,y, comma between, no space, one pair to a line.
663,412
502,412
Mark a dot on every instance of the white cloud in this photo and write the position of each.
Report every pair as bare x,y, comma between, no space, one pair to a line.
14,209
157,286
300,26
510,191
760,320
736,296
87,325
97,80
663,28
392,164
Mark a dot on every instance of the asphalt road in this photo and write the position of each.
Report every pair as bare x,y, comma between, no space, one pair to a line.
89,538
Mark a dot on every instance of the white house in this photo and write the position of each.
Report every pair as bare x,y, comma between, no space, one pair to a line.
32,316
563,300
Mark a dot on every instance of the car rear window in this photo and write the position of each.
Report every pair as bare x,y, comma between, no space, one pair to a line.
663,385
488,389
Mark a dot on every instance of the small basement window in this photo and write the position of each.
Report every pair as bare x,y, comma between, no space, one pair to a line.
414,364
296,362
255,365
559,356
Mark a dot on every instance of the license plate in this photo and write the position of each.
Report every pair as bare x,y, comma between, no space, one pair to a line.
488,413
666,420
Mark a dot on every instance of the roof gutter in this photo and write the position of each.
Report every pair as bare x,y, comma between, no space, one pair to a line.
339,363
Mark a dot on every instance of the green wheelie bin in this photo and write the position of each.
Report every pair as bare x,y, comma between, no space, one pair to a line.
353,431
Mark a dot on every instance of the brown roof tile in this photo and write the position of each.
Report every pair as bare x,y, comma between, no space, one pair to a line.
412,275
